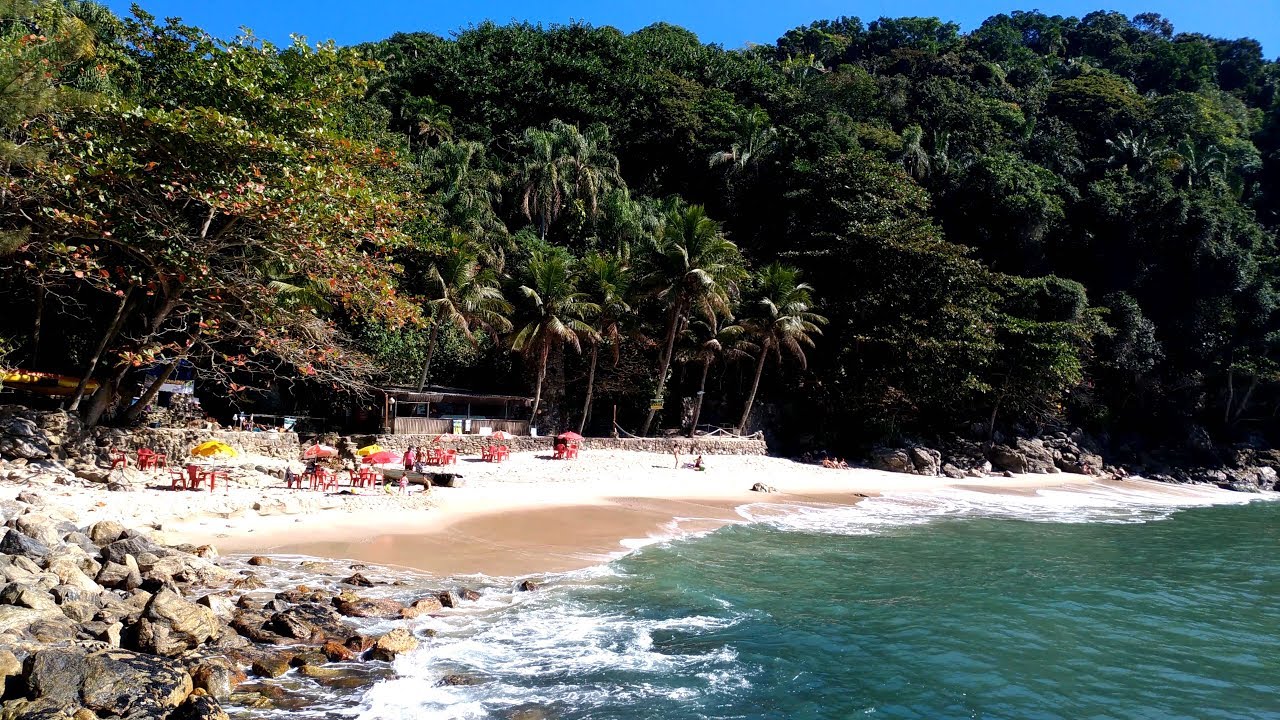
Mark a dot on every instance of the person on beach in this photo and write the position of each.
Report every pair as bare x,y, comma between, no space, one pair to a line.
404,483
675,453
408,459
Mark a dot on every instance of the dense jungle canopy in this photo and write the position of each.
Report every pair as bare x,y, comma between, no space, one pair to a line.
865,230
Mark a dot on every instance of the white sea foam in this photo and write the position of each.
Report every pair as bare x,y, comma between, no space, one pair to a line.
1113,503
559,647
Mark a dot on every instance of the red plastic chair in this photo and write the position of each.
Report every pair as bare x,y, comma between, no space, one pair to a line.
571,452
146,458
294,479
159,460
177,479
118,458
195,476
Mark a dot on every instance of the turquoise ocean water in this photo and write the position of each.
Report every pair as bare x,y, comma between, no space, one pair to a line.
1066,605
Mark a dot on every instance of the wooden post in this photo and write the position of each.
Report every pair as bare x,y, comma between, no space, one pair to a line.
615,420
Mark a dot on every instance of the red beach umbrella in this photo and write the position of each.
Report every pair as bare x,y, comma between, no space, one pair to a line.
570,435
320,451
499,435
380,457
445,436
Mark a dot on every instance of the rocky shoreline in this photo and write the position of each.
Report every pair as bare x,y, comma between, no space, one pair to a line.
102,621
1242,469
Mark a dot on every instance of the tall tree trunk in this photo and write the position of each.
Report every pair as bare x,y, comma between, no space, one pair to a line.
697,407
1244,401
755,385
1231,396
104,395
537,392
591,385
135,410
117,323
35,331
431,351
672,322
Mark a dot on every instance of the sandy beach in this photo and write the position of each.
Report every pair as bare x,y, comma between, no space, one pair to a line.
530,514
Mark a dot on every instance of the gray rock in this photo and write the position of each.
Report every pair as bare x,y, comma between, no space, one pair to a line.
118,576
892,460
172,625
27,596
925,461
21,620
135,546
953,472
22,438
1008,459
127,683
15,543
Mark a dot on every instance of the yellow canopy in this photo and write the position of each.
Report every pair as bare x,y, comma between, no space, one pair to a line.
368,450
212,448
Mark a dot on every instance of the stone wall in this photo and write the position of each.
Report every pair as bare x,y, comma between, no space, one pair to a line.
471,444
178,443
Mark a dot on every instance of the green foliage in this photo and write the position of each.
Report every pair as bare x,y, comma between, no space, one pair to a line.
1047,219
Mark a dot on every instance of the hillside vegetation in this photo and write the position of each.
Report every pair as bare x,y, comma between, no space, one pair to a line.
865,230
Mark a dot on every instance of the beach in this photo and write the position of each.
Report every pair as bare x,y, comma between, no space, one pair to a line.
530,514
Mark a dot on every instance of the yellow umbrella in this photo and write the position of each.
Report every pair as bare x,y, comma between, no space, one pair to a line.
368,450
212,448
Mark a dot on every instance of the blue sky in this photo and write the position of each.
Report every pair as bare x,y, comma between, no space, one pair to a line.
731,24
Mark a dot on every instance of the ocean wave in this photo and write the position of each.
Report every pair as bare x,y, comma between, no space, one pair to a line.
539,654
1136,502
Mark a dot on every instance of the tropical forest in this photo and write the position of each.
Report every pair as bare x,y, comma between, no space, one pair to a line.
867,230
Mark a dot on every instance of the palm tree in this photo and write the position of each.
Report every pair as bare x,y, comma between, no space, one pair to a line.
468,190
554,312
915,159
708,342
1199,167
754,139
694,268
463,293
779,317
607,279
562,164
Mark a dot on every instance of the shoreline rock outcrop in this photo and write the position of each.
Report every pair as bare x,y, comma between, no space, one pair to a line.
107,621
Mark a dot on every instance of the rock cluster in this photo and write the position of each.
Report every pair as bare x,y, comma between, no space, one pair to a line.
959,458
103,621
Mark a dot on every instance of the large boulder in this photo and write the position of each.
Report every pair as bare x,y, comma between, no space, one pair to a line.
172,625
1040,458
105,532
109,682
27,596
16,543
117,551
42,528
22,438
394,643
70,573
1007,459
309,623
353,606
892,460
34,623
118,576
925,461
216,677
